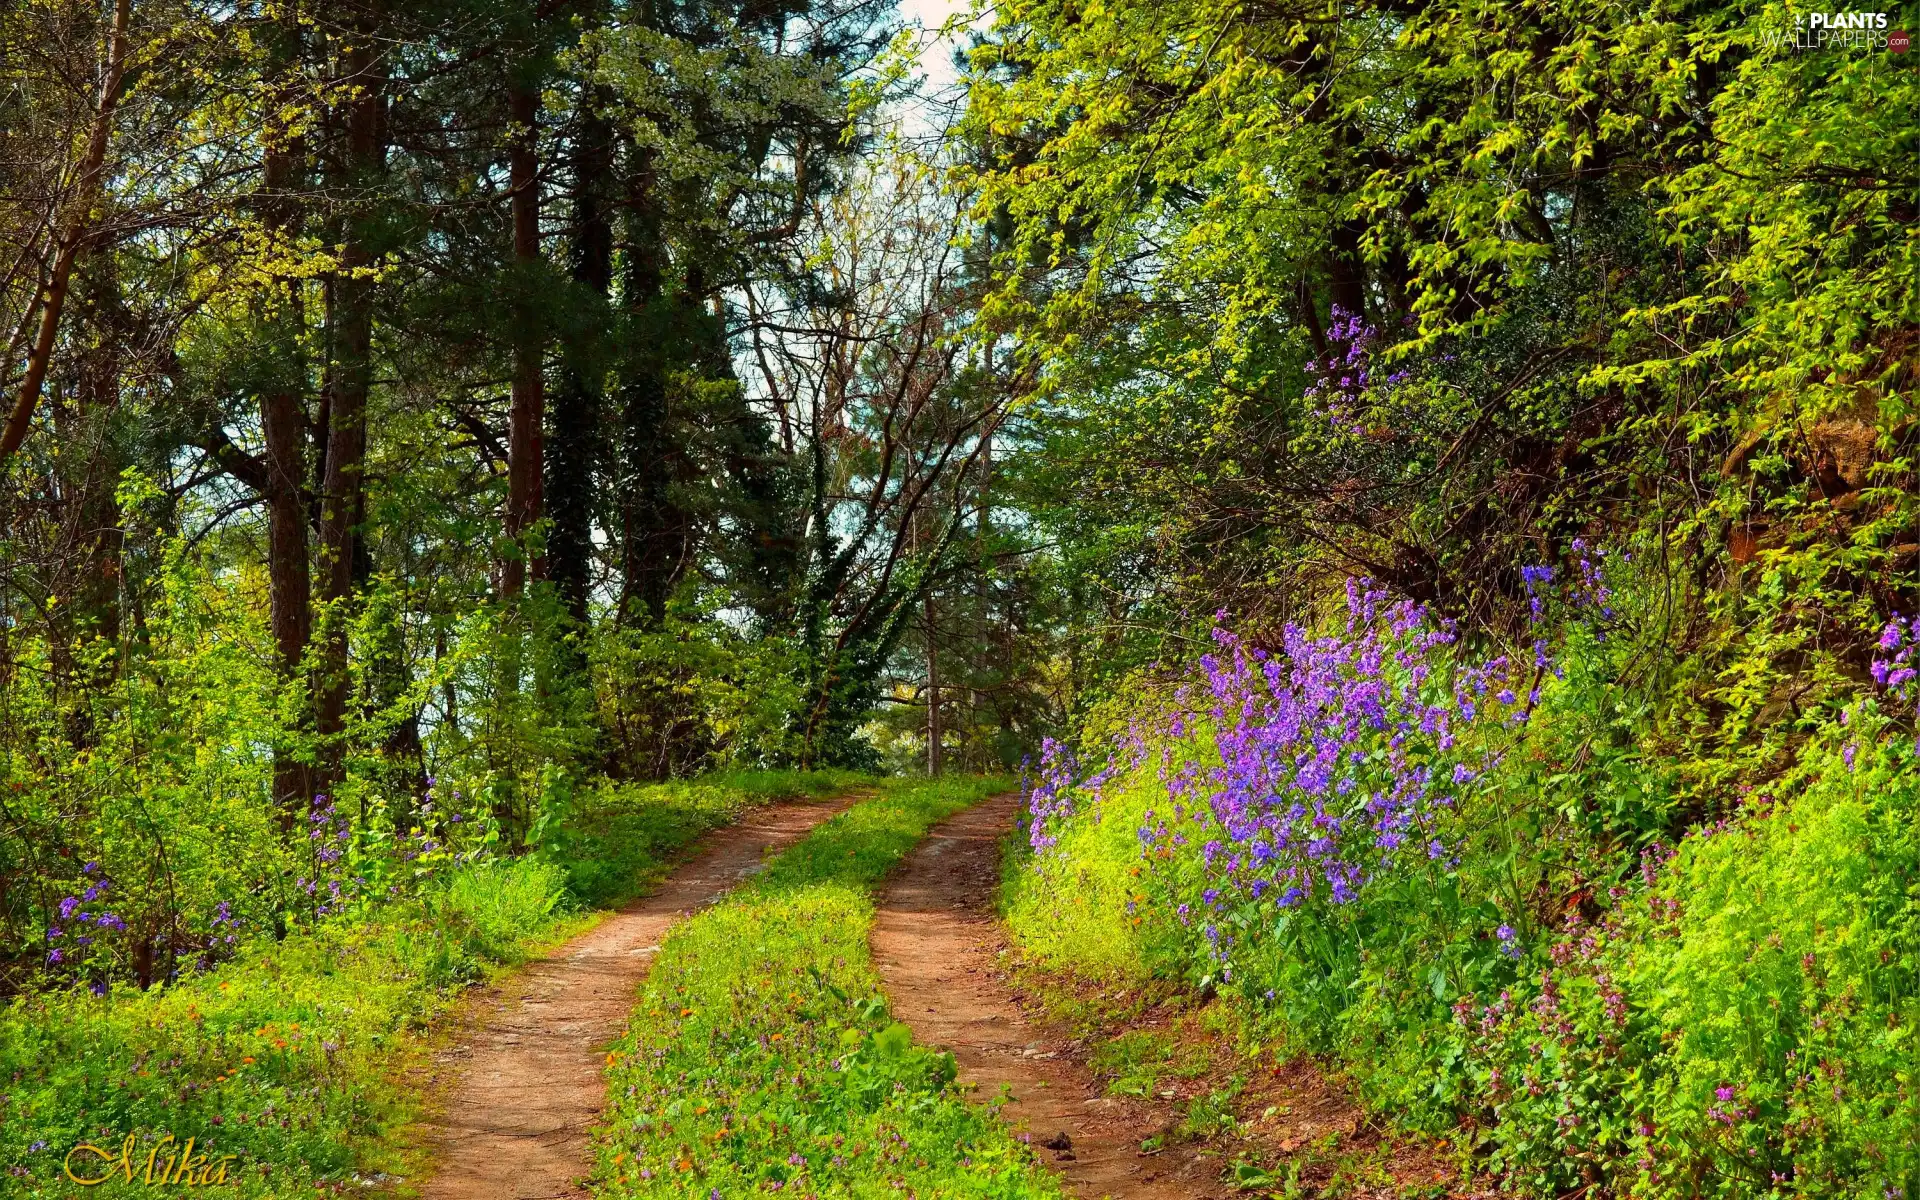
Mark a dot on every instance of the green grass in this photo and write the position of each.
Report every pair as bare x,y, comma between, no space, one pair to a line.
289,1057
762,1058
1083,906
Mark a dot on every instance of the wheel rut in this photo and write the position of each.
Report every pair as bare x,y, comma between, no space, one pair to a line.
938,949
526,1083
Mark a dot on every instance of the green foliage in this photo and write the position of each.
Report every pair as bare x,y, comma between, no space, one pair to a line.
1649,269
690,693
280,1058
762,1052
1743,1026
157,777
495,902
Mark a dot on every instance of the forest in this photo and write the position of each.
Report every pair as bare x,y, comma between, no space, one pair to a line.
908,598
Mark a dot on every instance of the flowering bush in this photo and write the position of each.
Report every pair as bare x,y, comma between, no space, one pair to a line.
1316,772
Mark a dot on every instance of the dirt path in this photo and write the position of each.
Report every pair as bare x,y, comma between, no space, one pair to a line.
937,947
527,1083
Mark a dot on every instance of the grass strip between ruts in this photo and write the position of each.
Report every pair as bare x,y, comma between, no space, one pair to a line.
761,1057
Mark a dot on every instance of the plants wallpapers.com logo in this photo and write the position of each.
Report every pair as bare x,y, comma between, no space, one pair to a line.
1848,30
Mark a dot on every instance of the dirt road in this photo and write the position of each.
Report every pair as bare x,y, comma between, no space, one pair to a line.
527,1083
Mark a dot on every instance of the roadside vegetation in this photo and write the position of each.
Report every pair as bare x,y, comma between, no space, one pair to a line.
292,1054
762,1058
1470,883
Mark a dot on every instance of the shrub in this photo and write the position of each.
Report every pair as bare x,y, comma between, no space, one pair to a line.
496,901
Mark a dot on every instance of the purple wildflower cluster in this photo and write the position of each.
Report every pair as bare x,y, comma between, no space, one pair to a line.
1344,376
328,833
1590,590
1332,760
1893,666
1338,755
81,911
1727,1109
433,829
1051,798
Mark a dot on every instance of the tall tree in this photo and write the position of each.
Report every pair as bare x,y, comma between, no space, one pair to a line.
283,410
573,458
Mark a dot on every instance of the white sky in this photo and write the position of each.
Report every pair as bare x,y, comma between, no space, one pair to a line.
936,58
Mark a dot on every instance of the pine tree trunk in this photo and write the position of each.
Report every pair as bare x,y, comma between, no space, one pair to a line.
283,420
643,406
524,428
351,315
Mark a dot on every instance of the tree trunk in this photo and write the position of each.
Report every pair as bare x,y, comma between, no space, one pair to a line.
1346,269
529,400
73,234
283,427
935,735
342,500
572,454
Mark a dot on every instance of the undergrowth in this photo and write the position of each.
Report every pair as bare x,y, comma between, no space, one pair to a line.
288,1056
762,1058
